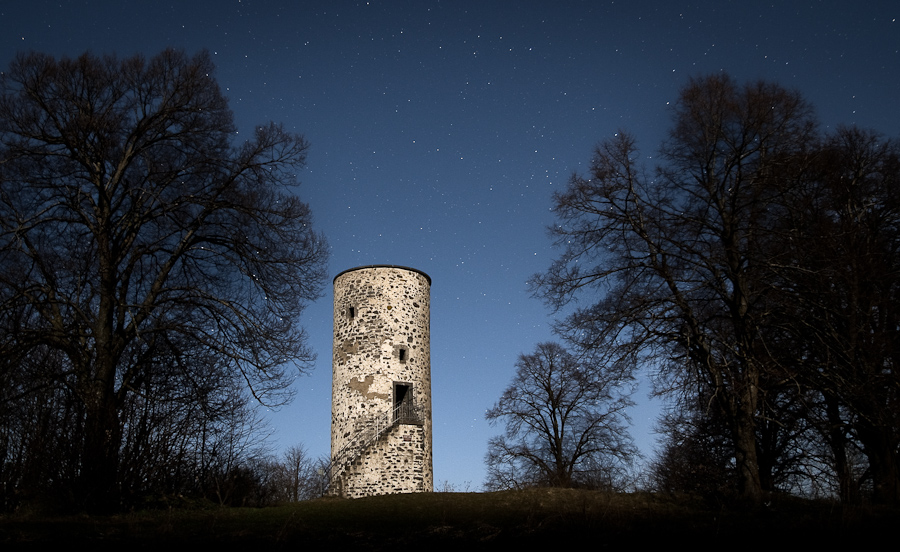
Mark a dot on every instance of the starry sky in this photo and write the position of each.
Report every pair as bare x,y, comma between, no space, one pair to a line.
440,129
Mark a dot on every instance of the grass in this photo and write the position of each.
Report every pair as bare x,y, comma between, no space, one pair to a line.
542,517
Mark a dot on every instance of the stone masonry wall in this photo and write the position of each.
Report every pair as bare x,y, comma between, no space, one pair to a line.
395,465
381,341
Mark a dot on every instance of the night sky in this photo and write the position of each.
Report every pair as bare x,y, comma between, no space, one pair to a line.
440,130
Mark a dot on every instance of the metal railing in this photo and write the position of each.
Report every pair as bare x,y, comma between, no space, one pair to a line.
370,431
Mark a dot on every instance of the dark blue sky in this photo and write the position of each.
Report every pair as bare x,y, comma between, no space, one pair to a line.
440,130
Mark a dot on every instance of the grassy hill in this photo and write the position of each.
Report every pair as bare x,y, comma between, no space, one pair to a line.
477,521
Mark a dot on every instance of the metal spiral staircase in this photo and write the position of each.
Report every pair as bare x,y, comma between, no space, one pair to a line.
368,432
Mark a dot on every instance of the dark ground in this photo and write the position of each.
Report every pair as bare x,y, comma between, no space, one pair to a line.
476,521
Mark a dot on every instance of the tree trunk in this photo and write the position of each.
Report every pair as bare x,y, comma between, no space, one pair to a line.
835,435
744,432
881,453
98,485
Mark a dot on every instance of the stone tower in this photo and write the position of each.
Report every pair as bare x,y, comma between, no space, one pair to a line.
381,382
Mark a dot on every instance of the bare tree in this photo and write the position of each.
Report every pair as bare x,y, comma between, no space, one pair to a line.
131,230
565,423
696,454
298,475
675,263
841,295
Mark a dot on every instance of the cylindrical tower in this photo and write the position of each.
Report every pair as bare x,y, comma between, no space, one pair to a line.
381,382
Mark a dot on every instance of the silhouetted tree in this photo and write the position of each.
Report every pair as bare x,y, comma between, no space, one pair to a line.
675,264
565,423
696,455
840,287
298,476
134,238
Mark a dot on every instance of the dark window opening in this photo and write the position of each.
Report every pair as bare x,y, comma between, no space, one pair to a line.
404,407
351,312
402,353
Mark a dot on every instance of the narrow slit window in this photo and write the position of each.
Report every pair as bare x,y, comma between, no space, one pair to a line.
402,353
351,313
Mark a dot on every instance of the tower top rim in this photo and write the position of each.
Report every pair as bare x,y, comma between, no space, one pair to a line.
427,277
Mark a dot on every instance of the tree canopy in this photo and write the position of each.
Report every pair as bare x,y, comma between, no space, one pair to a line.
136,240
565,423
709,266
